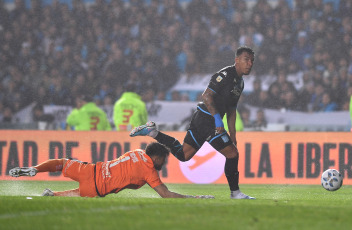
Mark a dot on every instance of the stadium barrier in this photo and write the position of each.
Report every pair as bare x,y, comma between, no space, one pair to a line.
265,158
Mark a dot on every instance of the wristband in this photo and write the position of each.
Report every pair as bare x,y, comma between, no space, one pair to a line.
218,121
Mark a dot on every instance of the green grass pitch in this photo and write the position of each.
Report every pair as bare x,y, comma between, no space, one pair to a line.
276,207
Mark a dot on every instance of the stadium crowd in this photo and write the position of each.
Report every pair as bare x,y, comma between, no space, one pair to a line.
51,53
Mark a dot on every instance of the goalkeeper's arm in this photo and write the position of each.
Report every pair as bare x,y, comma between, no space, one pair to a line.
164,192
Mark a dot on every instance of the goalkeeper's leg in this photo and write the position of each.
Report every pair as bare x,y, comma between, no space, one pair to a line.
52,165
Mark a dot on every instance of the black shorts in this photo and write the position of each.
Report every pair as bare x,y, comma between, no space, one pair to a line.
202,129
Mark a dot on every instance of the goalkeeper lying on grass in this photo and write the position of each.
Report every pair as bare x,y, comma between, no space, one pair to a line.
132,170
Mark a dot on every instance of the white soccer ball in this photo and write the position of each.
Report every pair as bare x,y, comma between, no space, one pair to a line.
331,180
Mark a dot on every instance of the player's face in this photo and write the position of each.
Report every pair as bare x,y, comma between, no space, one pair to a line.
244,63
159,162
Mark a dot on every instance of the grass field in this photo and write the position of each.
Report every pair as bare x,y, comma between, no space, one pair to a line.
277,207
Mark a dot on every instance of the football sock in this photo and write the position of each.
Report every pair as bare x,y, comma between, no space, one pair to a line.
173,144
231,173
52,165
153,133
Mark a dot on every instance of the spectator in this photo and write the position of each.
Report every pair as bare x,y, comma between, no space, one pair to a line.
289,102
280,45
275,101
168,73
45,49
40,116
326,104
301,49
260,122
305,95
263,100
245,115
253,98
316,99
44,121
7,115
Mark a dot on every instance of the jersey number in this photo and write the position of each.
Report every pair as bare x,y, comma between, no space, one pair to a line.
132,156
94,121
126,114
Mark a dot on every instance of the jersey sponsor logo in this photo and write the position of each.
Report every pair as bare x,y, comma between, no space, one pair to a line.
236,91
219,78
207,166
225,138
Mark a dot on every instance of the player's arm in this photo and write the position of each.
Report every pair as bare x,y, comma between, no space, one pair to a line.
68,193
208,99
164,192
231,122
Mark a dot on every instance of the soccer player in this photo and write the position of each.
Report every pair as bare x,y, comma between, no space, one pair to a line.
220,97
88,116
132,170
129,111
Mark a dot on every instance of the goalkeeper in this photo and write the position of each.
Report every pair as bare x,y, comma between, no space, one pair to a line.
132,170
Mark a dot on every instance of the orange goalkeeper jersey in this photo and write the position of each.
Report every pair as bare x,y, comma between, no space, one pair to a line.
132,170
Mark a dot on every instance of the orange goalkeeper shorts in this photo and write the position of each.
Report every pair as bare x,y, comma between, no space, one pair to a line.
84,174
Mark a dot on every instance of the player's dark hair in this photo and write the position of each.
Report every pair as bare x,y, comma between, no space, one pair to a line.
244,49
157,149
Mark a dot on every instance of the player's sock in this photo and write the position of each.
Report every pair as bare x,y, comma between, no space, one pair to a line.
231,173
173,144
52,165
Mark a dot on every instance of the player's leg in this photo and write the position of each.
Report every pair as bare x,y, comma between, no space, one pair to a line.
223,144
181,152
52,165
231,172
70,193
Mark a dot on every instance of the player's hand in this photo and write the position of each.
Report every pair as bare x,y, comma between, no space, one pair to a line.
219,130
205,197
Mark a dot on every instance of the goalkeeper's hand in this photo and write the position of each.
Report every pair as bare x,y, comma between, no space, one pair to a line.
205,197
200,196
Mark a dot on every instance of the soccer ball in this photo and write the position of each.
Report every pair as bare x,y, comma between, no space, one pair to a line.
331,180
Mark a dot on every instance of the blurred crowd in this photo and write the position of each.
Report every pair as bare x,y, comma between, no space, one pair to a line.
51,53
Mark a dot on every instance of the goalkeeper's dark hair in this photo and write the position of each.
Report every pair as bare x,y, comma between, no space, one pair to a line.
244,49
157,149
